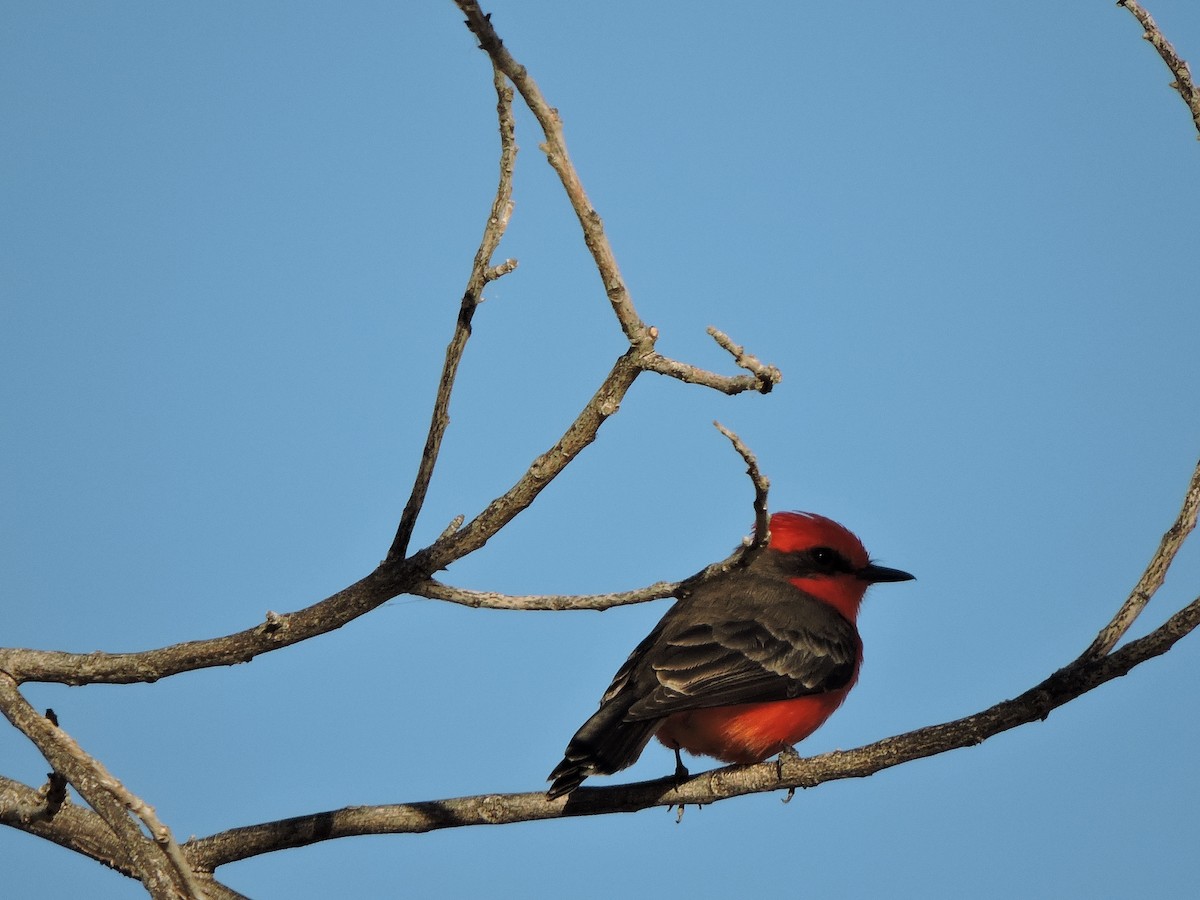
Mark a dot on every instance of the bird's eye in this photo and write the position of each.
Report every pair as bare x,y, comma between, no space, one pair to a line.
815,562
824,556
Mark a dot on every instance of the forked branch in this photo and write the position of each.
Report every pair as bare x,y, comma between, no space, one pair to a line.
115,833
1084,674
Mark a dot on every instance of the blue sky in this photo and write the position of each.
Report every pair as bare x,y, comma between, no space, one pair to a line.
235,238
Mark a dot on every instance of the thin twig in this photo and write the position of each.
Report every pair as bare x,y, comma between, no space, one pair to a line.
641,356
768,376
482,272
762,377
762,531
555,148
436,590
1183,75
1155,573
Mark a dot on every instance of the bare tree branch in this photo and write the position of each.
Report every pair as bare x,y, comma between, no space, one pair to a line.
397,575
762,377
482,272
1087,672
79,829
48,800
157,863
762,517
112,836
277,631
436,590
71,826
1154,574
555,149
1183,75
749,546
1033,705
640,357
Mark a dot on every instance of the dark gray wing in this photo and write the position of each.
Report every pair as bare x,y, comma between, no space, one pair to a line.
795,646
740,639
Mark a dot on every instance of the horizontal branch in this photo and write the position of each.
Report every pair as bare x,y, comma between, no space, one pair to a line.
436,590
276,631
1033,705
762,377
71,826
390,580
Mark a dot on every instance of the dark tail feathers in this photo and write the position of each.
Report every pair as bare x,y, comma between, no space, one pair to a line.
604,744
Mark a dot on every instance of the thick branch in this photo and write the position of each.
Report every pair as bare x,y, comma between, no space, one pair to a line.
279,630
74,827
1087,672
604,403
158,863
81,830
708,787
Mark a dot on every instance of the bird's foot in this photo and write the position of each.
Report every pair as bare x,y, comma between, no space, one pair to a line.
786,755
681,773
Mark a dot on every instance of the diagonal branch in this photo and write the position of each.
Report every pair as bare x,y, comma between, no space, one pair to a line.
641,337
1154,574
1087,672
398,575
1033,705
555,149
159,863
749,547
581,432
1183,75
482,272
81,830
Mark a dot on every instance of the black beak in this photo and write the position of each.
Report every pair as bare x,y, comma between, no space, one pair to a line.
873,574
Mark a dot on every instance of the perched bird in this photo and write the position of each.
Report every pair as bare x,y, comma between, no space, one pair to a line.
744,666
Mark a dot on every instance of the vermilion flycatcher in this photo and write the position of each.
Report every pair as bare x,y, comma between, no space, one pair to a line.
744,666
